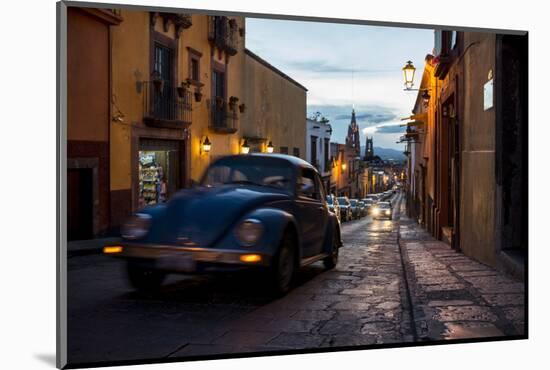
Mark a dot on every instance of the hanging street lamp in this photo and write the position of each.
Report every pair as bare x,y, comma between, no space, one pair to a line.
408,74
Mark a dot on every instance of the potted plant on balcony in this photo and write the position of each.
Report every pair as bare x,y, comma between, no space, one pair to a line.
219,102
233,102
242,108
198,93
183,89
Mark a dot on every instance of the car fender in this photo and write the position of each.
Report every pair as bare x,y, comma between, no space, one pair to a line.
275,221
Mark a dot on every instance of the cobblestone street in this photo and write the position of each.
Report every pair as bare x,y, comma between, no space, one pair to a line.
366,300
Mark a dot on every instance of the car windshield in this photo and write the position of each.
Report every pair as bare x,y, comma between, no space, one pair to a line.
383,205
329,200
250,171
353,202
343,200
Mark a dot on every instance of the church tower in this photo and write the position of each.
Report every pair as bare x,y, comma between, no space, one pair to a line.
369,149
352,140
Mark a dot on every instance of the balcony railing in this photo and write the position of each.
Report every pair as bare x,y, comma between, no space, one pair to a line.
223,32
165,105
223,119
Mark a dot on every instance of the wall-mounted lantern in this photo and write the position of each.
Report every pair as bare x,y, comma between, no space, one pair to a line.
426,97
408,74
206,145
344,166
270,147
245,148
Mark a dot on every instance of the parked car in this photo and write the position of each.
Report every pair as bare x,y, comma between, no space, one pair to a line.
382,210
355,211
257,211
345,208
333,205
362,208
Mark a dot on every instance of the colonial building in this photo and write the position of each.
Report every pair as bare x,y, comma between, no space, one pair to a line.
467,157
339,171
154,97
88,127
177,82
319,132
275,109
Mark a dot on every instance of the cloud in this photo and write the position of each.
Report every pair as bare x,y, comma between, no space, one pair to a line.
368,115
323,67
379,116
390,129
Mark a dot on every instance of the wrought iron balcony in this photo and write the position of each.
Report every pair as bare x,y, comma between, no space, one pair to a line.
223,32
165,105
223,118
180,21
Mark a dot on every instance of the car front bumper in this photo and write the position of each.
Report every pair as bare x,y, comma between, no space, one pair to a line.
188,259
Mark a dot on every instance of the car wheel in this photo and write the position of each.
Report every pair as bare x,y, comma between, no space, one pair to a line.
284,267
144,279
331,261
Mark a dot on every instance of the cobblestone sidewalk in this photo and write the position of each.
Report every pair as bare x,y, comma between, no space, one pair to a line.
454,296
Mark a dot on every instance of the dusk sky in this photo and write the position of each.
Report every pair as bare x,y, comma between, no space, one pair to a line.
344,66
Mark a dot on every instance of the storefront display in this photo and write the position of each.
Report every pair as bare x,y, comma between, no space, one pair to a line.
158,171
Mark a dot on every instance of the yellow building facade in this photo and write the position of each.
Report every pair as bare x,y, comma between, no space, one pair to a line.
276,109
179,81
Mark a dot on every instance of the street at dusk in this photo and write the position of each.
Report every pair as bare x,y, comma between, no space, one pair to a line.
363,301
232,188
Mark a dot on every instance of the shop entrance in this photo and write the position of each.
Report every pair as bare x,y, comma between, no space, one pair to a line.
160,170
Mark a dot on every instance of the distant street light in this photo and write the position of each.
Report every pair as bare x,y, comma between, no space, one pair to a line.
408,74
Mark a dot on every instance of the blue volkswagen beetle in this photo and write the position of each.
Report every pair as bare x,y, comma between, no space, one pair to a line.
262,211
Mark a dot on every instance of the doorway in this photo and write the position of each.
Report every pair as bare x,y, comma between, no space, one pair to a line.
511,148
449,172
80,203
160,170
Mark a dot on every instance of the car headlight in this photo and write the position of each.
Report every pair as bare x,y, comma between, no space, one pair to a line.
375,211
249,231
136,227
